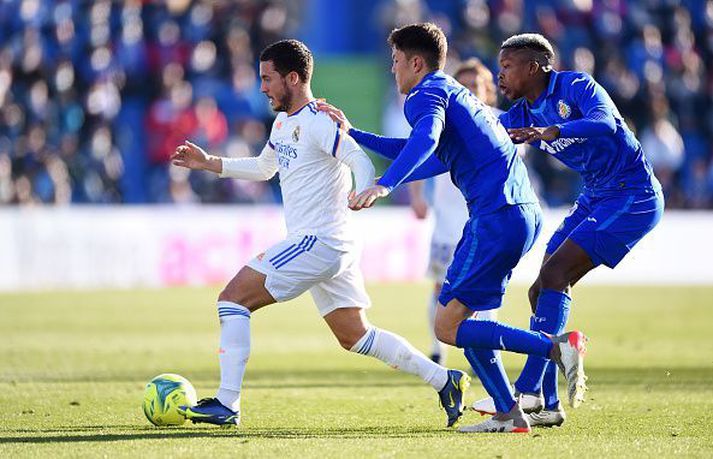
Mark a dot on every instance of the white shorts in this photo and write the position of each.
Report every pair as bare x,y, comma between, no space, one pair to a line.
440,259
302,263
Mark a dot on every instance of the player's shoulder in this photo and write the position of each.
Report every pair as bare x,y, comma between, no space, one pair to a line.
320,121
424,97
570,80
571,76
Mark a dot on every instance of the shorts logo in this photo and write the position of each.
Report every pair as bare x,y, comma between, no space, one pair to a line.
296,134
260,256
563,109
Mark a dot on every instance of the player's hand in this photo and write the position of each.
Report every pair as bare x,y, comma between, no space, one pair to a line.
419,207
533,134
336,114
191,156
366,198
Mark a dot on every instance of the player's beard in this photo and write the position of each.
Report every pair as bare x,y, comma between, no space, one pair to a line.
284,103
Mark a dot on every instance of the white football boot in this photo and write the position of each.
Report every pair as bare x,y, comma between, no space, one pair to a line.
570,359
547,418
494,426
528,402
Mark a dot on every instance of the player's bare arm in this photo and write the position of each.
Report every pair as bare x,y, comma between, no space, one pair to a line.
532,134
191,156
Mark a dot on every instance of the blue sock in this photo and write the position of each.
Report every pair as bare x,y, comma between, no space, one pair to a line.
487,334
549,386
550,317
488,366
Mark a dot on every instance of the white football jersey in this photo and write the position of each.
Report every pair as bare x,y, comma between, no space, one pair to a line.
315,183
450,211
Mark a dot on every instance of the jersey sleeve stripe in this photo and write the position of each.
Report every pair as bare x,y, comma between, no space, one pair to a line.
270,144
337,139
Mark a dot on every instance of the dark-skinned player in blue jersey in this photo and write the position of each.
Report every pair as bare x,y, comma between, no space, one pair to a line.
454,131
570,116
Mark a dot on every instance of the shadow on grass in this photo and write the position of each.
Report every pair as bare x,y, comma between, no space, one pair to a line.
315,378
73,434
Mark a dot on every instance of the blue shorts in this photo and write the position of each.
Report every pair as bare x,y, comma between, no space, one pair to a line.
491,246
608,228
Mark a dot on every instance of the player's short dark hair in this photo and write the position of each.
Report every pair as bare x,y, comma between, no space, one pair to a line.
426,40
533,42
290,56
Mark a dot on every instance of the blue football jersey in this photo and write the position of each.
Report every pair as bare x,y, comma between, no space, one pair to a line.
610,160
473,145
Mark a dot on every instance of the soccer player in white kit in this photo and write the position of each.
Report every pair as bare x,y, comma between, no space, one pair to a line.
449,207
315,160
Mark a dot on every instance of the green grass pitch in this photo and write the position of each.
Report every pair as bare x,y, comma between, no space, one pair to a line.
73,367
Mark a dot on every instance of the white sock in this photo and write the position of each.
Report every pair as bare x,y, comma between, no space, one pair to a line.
234,351
398,353
437,347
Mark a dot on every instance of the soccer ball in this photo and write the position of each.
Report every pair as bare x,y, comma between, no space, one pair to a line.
162,397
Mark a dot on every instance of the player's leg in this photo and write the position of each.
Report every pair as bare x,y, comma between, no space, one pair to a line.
550,312
283,272
552,413
342,300
491,248
438,349
529,401
440,257
244,294
355,334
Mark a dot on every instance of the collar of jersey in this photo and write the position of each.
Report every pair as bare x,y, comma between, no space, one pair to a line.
302,107
428,76
538,106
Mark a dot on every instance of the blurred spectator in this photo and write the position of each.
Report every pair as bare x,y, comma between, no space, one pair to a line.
663,145
94,96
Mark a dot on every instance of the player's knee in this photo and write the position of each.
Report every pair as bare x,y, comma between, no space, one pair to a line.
230,294
553,278
234,294
445,332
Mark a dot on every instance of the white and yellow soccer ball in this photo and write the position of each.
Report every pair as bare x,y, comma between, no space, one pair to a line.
162,397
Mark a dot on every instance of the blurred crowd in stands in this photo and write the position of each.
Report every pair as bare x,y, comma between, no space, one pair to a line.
94,96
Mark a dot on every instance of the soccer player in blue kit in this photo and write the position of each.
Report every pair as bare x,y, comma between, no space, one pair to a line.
570,116
454,131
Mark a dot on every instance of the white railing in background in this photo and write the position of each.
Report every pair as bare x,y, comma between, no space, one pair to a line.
125,247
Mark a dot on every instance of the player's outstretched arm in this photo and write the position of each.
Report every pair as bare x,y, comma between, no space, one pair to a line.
260,168
388,147
415,162
426,110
